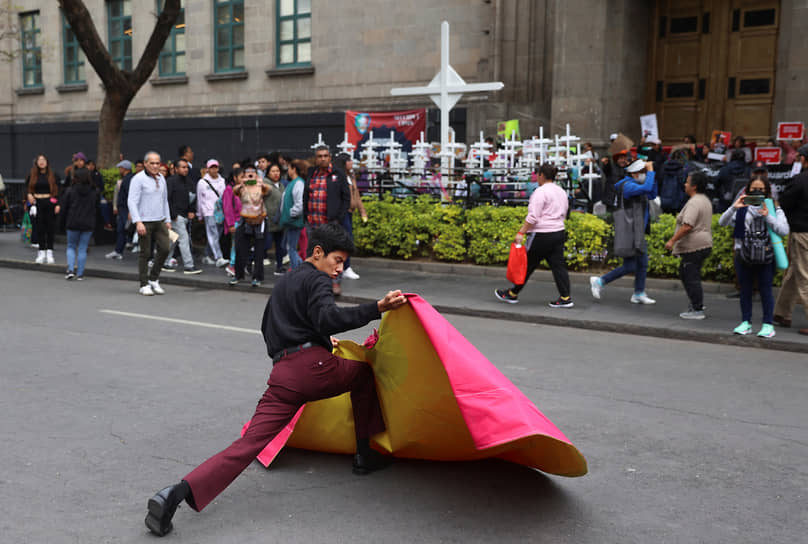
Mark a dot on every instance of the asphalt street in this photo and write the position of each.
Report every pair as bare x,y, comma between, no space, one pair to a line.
101,405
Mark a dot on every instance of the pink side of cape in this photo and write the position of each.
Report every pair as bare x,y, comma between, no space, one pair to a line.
272,449
494,409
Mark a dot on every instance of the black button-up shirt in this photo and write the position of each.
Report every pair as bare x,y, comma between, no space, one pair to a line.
302,309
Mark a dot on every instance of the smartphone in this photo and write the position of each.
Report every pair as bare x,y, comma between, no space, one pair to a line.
753,200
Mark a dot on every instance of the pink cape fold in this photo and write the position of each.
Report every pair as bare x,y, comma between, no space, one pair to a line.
501,421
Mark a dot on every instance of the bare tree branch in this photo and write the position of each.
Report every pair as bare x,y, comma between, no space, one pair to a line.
161,32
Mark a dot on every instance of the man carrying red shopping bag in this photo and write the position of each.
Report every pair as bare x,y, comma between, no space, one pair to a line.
543,236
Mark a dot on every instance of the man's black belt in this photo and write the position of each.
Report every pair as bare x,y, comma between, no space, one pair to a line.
288,351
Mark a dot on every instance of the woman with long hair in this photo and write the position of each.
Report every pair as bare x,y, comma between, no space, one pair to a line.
292,210
80,203
344,162
43,192
754,254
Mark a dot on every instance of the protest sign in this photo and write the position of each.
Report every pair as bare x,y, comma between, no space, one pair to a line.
790,131
768,155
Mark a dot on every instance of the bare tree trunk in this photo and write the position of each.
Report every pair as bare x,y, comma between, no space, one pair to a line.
110,128
120,86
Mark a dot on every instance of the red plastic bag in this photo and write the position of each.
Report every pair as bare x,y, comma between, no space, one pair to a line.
517,264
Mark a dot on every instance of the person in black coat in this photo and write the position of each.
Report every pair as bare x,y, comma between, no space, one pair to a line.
79,212
326,196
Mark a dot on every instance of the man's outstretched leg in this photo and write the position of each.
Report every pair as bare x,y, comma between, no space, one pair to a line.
274,411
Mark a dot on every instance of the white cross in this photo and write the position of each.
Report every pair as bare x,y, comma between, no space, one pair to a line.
319,141
345,146
445,90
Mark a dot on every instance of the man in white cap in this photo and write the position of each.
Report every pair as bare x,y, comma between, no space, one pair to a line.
209,190
634,192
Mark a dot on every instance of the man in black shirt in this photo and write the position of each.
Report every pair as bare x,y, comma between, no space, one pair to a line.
299,319
181,191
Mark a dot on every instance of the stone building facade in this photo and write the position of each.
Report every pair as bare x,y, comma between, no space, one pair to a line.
583,62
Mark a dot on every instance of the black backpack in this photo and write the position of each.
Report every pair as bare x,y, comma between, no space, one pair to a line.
756,247
672,186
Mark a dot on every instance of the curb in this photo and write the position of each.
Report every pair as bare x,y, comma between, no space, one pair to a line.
577,278
585,324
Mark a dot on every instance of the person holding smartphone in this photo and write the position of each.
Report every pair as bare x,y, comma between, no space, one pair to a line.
754,255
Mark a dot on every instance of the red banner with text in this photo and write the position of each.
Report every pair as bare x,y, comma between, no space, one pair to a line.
407,127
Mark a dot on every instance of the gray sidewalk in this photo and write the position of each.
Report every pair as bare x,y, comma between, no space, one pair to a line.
468,290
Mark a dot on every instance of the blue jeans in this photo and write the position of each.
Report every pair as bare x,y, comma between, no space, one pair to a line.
638,265
77,239
290,238
746,277
120,240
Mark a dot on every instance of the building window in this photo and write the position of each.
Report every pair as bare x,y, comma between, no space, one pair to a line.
229,35
73,55
31,50
119,19
293,33
172,57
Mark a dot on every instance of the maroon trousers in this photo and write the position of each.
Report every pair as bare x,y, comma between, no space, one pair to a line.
307,375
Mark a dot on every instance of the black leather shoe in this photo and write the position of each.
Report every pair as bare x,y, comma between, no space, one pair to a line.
162,508
371,462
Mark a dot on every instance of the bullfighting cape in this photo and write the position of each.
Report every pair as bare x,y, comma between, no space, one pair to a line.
442,400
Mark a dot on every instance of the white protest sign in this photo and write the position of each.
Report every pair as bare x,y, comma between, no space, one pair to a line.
649,126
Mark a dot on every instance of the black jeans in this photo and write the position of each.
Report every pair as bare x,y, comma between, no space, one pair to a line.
45,223
250,236
550,246
690,273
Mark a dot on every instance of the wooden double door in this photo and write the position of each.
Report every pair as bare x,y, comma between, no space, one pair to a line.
712,67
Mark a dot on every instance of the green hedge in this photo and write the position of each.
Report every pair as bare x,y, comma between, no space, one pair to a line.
111,177
421,228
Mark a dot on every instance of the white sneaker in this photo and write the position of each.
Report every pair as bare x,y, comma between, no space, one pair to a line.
350,274
286,259
172,262
267,262
113,255
146,290
49,257
642,298
135,249
155,287
40,257
222,262
595,286
208,260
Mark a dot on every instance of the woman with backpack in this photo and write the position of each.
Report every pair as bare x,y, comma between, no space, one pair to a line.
754,256
292,210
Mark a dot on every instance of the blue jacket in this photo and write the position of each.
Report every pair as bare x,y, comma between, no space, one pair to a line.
632,189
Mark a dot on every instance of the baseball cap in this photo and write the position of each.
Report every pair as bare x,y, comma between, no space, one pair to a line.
212,162
653,140
125,164
636,166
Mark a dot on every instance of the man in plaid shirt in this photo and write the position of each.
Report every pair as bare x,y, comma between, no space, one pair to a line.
327,195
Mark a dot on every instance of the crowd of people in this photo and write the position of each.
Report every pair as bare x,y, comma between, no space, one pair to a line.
756,216
269,203
261,205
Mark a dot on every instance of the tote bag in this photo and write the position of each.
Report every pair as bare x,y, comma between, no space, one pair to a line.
517,264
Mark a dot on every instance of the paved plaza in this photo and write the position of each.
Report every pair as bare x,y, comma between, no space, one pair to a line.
102,405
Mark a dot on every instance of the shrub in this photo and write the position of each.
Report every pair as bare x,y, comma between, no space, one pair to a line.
111,177
421,227
588,240
490,231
